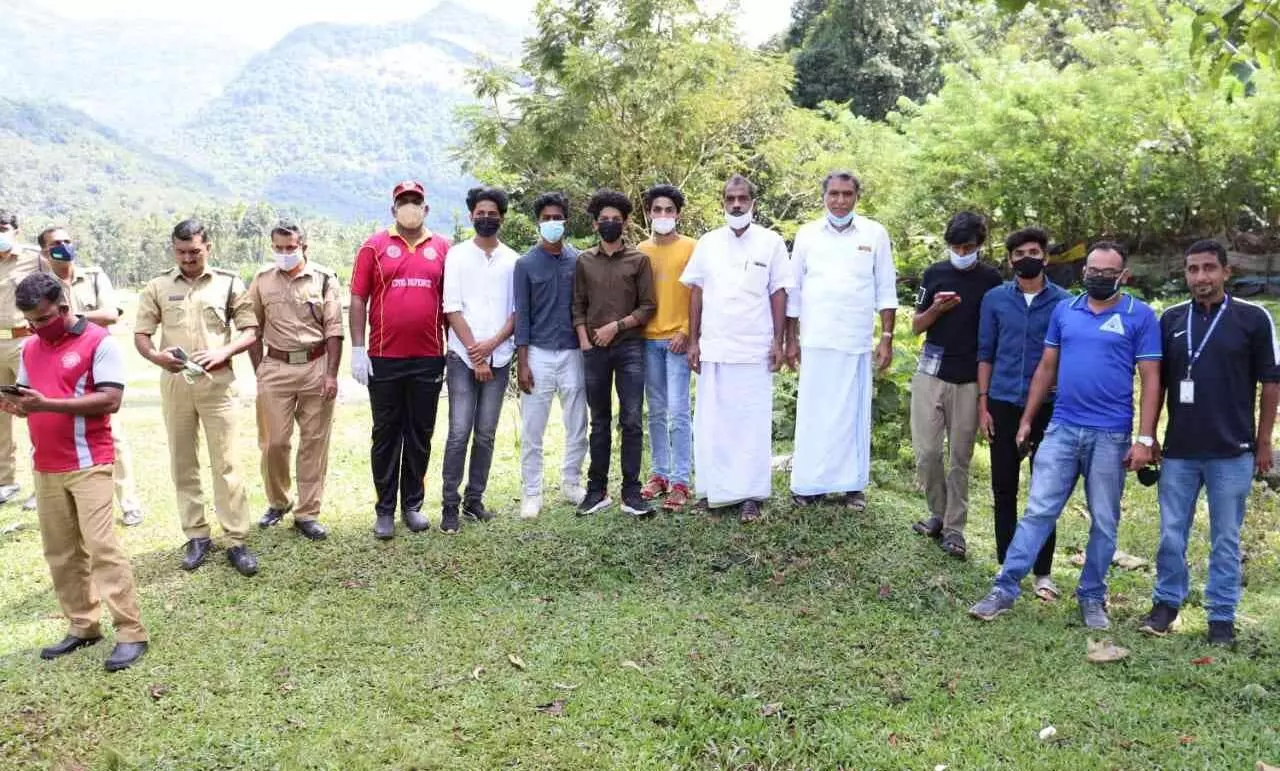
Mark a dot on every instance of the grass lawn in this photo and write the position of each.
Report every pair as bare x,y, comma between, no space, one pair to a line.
811,640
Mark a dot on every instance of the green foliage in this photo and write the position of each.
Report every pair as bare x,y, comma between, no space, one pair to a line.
867,53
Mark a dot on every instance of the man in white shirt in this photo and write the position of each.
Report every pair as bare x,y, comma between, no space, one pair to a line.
739,276
844,274
480,308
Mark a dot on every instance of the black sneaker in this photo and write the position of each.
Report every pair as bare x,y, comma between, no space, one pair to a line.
596,500
1222,633
804,501
477,512
449,520
635,505
1159,620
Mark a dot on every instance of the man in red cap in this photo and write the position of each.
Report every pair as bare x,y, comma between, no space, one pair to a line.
397,350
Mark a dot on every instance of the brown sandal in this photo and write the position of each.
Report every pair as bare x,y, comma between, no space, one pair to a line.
930,528
954,547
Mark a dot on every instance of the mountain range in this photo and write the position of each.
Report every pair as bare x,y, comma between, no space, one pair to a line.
152,115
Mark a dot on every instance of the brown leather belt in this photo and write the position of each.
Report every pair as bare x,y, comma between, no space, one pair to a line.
296,357
16,333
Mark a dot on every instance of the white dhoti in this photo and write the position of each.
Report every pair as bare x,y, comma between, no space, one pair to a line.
733,433
833,423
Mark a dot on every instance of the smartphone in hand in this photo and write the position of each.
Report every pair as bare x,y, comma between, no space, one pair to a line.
11,390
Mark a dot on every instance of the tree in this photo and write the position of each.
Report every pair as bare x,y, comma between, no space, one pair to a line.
868,53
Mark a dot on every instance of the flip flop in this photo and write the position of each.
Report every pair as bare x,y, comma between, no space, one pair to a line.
931,527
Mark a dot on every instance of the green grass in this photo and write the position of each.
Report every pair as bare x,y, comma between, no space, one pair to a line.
812,640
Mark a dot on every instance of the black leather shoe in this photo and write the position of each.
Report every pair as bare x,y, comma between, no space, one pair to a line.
69,644
384,527
414,520
242,560
125,655
312,529
274,515
196,552
477,512
449,524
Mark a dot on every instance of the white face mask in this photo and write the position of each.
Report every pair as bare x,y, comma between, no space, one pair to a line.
410,215
7,241
664,225
963,262
287,261
739,221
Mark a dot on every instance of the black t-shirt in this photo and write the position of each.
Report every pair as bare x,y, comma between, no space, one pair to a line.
1240,354
951,344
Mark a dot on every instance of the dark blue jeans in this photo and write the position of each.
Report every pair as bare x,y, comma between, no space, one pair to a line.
621,367
474,410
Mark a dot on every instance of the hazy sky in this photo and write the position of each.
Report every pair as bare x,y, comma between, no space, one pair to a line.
262,22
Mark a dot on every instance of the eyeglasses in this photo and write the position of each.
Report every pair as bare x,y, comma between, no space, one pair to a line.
1107,274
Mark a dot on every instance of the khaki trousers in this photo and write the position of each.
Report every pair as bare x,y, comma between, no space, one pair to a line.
126,493
187,407
944,411
288,394
10,355
84,557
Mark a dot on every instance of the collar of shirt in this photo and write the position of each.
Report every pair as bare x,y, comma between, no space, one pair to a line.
394,232
307,270
179,275
850,229
1124,305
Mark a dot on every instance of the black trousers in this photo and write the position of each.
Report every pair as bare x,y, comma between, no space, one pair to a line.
404,395
1006,467
619,366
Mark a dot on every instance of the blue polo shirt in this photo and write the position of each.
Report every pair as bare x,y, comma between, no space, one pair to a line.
1097,356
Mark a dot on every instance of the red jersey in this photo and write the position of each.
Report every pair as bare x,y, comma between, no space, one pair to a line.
403,285
86,358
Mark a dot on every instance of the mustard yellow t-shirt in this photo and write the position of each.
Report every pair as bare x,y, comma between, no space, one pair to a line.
668,263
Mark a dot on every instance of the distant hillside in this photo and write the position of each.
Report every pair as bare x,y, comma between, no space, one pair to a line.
144,78
55,161
332,116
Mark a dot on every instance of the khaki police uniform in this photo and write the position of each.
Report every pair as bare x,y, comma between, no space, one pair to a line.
21,262
296,315
90,290
196,315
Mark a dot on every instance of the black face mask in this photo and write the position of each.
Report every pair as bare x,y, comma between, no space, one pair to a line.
1101,288
610,231
1028,267
486,226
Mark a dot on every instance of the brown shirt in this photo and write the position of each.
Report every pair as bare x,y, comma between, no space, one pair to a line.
195,314
299,312
89,290
607,287
21,262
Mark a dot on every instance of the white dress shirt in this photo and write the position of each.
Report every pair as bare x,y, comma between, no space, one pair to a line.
479,286
737,275
842,279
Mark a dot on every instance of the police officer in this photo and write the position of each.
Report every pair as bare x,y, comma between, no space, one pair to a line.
89,293
299,346
17,261
197,308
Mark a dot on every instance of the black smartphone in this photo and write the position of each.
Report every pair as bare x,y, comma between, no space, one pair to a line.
179,354
11,390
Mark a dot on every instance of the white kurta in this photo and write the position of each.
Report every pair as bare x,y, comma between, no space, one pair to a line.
833,423
733,417
843,278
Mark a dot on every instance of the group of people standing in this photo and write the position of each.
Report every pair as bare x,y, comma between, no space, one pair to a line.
1039,372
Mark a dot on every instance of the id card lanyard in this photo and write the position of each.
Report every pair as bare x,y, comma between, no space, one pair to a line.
1187,388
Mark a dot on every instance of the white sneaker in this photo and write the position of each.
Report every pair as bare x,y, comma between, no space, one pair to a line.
573,492
9,492
29,504
530,507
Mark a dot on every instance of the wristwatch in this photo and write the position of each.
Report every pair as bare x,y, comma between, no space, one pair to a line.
1146,441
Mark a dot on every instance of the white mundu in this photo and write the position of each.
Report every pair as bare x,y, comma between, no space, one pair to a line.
733,418
843,278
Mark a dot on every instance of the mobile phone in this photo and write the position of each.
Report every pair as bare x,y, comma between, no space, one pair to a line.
11,390
946,295
179,354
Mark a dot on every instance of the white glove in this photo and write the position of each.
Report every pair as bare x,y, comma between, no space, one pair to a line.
361,367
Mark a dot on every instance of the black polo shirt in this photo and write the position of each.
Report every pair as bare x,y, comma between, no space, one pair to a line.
955,333
1241,353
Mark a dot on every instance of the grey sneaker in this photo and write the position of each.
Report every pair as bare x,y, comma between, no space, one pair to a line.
9,492
995,603
1094,614
30,503
132,517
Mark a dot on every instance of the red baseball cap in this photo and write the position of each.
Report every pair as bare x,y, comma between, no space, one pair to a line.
408,186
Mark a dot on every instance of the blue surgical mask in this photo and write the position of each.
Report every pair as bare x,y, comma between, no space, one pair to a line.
963,262
551,231
839,222
63,253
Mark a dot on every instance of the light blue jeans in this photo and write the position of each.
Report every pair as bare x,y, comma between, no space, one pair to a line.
1067,453
666,389
1226,482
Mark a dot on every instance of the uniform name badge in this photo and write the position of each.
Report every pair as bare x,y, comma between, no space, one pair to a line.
1187,391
